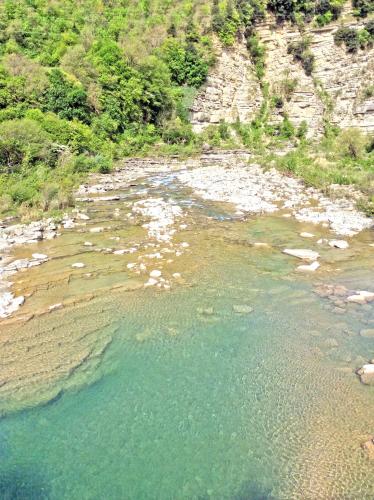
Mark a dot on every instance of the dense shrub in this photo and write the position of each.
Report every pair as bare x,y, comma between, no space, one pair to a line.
185,63
351,143
300,51
23,143
177,132
257,53
65,98
363,7
355,39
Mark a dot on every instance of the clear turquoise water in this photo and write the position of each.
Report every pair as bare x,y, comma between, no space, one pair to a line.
190,404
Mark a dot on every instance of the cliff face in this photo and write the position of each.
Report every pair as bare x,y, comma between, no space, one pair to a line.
232,90
335,90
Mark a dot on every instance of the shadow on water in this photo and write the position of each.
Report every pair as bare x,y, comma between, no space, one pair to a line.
251,490
21,483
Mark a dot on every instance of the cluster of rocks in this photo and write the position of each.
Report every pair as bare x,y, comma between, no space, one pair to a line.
8,302
162,215
255,190
339,294
20,234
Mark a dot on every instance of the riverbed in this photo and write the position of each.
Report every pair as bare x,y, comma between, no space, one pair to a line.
168,348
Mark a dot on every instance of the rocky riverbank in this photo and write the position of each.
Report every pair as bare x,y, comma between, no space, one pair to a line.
225,176
256,190
16,235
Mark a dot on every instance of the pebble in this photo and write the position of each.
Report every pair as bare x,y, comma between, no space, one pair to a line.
78,265
307,235
39,256
155,273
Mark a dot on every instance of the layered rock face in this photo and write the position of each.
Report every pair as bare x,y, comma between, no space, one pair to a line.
335,90
231,92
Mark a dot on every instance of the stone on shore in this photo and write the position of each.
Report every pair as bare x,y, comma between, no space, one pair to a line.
78,265
342,244
361,297
309,267
302,253
82,216
155,273
39,256
306,235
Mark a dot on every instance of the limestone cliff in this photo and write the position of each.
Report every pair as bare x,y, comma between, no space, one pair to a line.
335,90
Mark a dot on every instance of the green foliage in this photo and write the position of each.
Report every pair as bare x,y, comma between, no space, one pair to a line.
301,53
299,11
23,143
226,21
302,130
82,83
177,132
355,39
286,129
65,98
362,8
328,10
185,62
352,143
257,53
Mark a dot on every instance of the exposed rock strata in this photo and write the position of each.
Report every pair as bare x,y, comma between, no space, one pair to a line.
335,90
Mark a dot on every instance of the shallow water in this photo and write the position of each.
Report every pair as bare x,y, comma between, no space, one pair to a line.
155,394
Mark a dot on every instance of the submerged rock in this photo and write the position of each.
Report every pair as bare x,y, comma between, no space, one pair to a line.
206,311
368,446
366,374
242,308
367,332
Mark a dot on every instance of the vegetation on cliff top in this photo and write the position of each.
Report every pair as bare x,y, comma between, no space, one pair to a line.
83,84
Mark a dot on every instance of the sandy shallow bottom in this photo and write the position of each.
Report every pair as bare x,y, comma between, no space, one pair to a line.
237,383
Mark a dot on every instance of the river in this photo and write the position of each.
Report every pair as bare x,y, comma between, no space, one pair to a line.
225,377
